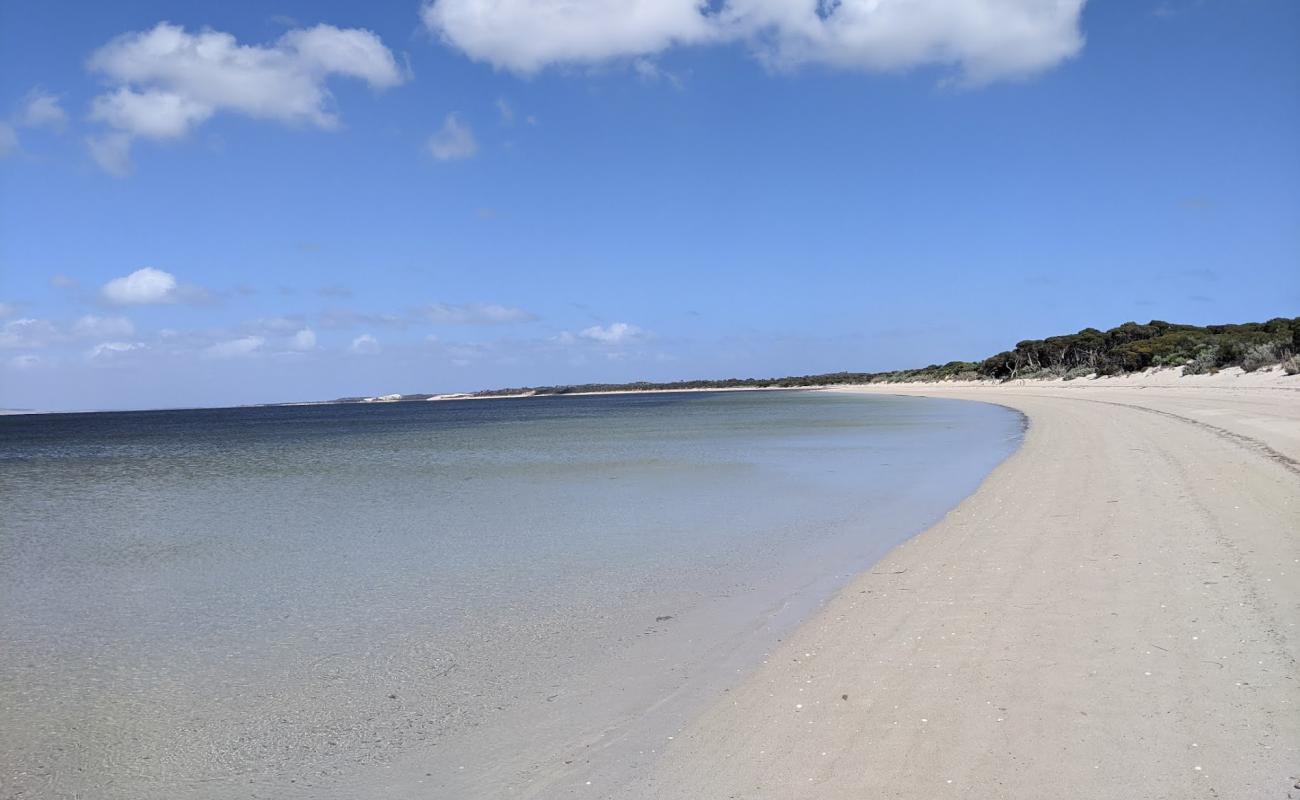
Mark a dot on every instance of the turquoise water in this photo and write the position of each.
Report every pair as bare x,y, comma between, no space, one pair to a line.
446,599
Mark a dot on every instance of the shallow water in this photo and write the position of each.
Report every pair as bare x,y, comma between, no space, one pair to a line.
456,599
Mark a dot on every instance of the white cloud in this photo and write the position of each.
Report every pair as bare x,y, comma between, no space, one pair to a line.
42,110
8,140
235,348
93,327
474,314
614,333
25,362
527,35
304,340
454,140
146,286
108,350
365,344
984,40
154,115
167,81
28,332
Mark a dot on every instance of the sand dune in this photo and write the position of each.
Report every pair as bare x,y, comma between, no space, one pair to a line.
1112,615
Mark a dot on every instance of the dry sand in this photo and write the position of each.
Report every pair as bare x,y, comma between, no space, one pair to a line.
1112,615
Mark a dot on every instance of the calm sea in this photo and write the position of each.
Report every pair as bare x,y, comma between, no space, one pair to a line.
504,598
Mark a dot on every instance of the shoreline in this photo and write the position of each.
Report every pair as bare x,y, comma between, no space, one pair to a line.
525,395
1111,614
1272,377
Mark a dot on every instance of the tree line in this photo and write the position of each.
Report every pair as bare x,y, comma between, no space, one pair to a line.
1131,347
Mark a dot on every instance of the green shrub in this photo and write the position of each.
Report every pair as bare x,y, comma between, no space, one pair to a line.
1264,355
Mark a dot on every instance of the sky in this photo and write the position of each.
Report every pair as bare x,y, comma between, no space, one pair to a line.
210,203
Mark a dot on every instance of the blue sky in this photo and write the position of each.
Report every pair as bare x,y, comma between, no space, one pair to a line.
421,197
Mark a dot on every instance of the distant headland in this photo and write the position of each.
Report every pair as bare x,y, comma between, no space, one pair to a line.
1125,349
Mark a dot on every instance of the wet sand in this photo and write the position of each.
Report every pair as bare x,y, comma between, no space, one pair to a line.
1112,615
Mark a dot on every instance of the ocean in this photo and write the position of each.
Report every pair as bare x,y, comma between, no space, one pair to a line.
453,599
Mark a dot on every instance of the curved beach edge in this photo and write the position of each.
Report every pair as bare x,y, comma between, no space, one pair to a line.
1112,614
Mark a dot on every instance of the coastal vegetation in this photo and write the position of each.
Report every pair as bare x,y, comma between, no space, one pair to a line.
1131,347
1127,348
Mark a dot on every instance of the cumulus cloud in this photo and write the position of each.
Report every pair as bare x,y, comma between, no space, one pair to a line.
145,286
303,340
166,81
474,314
155,115
453,141
527,35
984,40
365,345
42,110
235,348
613,333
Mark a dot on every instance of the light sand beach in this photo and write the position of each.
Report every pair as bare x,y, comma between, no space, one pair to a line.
1111,615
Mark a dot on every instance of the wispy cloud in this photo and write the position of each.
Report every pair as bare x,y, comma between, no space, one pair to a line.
342,318
303,340
505,111
95,327
474,314
365,345
28,332
236,348
42,110
454,141
107,352
8,140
